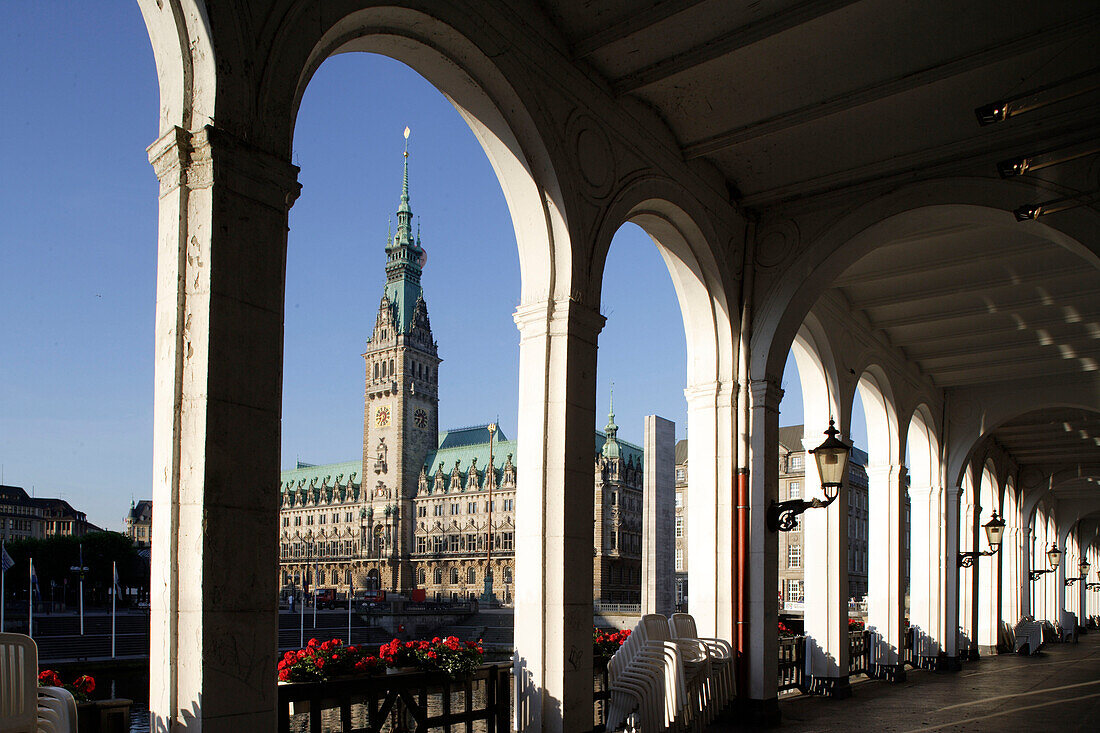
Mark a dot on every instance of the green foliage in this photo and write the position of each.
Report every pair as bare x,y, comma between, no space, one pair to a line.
54,556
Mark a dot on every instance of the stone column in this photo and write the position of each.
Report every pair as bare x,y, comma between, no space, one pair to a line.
217,402
659,516
886,569
763,582
968,577
927,572
825,563
951,641
711,510
989,598
554,516
1010,576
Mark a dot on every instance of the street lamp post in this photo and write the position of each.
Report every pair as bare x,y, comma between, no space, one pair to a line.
487,596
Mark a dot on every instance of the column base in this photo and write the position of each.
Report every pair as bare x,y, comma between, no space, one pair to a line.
760,713
971,654
988,651
835,687
888,672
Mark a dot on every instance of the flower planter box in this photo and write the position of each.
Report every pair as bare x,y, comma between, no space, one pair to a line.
104,716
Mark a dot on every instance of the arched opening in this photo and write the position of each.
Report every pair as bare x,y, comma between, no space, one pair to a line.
823,532
879,515
703,470
1011,547
989,577
927,535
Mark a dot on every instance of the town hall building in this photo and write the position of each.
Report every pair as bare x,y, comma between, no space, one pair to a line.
430,509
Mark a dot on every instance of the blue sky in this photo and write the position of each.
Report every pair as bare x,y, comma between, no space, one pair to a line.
78,262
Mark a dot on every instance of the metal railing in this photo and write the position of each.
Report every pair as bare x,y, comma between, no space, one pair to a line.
419,701
859,652
792,663
617,608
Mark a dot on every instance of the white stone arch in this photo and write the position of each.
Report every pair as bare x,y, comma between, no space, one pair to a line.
989,569
683,233
1011,562
886,571
824,531
451,61
901,213
927,532
968,517
226,188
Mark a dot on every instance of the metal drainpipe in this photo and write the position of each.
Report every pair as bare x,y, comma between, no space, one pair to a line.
744,415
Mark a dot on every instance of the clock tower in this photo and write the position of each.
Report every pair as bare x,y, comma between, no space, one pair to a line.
401,406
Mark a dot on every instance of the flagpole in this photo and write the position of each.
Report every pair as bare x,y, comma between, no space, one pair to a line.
81,546
30,598
349,612
114,597
302,620
3,574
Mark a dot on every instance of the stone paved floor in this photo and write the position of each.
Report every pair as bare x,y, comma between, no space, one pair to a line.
1055,690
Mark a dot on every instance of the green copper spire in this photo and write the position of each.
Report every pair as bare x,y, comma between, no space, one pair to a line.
403,257
611,444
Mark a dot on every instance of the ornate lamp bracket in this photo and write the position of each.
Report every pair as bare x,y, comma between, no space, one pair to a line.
1036,574
783,516
967,559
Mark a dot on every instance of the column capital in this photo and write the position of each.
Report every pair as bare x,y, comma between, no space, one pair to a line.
559,317
211,155
765,394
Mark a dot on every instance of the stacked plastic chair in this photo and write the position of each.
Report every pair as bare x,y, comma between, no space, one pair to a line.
718,683
57,706
646,681
24,706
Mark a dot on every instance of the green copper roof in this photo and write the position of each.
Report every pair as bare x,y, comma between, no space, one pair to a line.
456,438
328,474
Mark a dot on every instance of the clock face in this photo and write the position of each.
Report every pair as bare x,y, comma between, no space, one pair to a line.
382,416
420,418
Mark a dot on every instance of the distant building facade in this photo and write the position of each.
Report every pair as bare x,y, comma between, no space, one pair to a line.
60,519
20,515
428,509
681,519
139,523
792,485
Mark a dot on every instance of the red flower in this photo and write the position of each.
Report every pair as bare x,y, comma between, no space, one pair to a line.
84,683
284,675
319,662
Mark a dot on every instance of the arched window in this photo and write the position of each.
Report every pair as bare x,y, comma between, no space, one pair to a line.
320,577
471,576
392,370
421,576
507,573
376,370
454,576
438,575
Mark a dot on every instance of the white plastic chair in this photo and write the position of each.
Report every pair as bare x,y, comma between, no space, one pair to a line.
646,680
62,703
18,684
719,687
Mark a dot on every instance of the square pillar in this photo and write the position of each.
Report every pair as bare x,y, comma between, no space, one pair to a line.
659,516
951,521
711,510
554,516
886,569
927,569
216,430
825,539
761,665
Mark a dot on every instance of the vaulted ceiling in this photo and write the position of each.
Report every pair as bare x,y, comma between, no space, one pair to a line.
794,101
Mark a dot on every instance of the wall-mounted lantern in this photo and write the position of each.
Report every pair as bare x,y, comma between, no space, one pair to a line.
832,466
994,534
1054,557
1083,566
